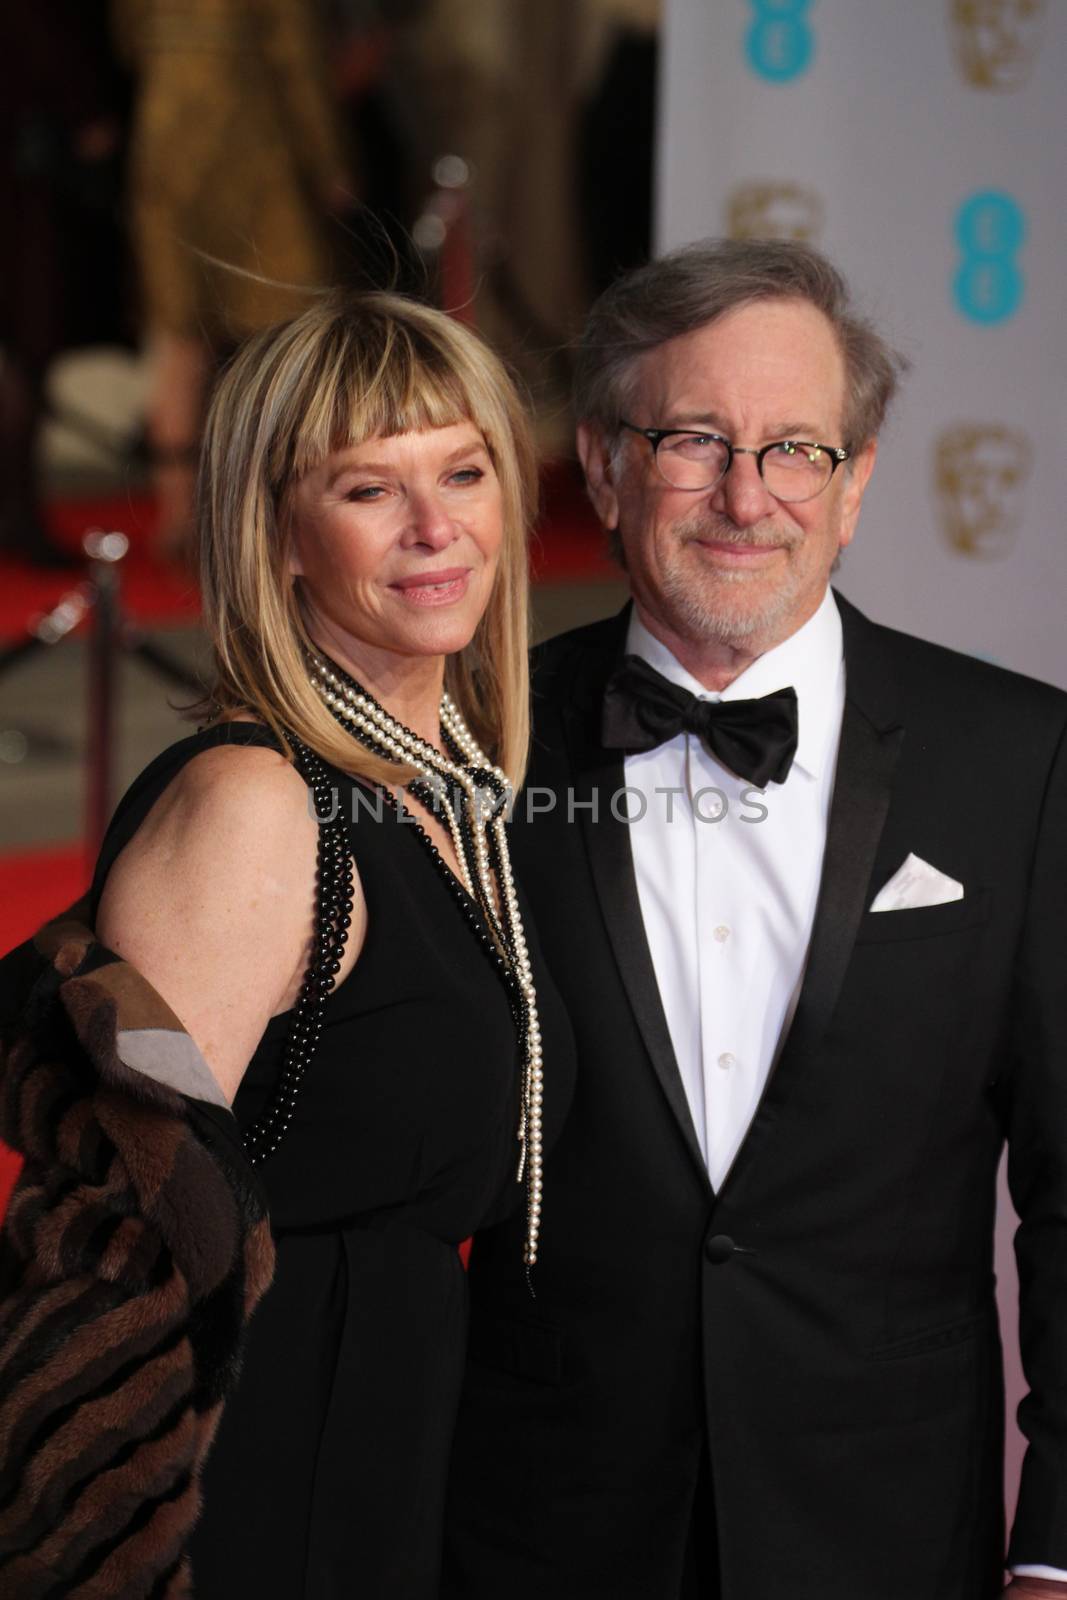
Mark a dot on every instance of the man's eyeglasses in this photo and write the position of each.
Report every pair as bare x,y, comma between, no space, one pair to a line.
792,469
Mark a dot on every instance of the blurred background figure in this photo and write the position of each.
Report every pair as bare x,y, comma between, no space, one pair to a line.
552,107
236,159
381,118
61,102
179,173
616,137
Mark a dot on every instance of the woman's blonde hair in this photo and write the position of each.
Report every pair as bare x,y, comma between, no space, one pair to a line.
353,367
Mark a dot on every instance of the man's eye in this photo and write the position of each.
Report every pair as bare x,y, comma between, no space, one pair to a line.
791,452
693,444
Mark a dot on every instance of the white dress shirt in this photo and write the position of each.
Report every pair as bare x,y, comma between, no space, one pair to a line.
728,904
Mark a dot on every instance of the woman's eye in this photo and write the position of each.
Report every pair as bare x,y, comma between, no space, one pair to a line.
464,475
364,492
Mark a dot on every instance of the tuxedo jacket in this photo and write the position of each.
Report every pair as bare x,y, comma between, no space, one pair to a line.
825,1324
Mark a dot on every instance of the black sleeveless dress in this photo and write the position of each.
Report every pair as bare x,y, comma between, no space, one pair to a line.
326,1480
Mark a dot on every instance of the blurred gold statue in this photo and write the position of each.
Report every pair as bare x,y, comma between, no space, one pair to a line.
980,471
774,211
236,160
996,40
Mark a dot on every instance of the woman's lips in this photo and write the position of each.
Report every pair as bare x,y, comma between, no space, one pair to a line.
434,588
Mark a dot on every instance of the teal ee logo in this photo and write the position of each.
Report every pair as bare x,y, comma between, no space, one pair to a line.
990,231
779,43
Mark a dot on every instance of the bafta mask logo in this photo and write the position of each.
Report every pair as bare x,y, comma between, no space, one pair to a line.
774,211
996,41
980,471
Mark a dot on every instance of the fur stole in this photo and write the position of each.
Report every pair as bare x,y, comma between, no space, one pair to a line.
134,1250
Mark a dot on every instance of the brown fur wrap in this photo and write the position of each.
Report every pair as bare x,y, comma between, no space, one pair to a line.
135,1248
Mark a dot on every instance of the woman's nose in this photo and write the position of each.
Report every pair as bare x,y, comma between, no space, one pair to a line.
429,522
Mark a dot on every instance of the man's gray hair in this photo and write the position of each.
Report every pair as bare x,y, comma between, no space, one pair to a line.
688,288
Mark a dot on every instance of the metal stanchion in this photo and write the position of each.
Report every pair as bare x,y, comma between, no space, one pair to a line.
105,551
444,236
98,599
50,629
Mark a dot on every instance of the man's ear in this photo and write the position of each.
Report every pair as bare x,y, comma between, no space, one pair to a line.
595,456
858,473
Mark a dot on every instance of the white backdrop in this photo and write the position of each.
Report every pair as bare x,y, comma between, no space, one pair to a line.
923,144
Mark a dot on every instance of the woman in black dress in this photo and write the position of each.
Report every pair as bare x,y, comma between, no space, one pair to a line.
366,488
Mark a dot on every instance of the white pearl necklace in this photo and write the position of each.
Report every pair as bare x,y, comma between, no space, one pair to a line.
481,809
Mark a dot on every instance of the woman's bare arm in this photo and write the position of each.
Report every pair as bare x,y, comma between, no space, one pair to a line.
213,900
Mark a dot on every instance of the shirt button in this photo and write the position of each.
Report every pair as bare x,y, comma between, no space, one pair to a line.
726,1060
721,934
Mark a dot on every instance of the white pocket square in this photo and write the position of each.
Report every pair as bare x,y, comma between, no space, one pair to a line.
914,884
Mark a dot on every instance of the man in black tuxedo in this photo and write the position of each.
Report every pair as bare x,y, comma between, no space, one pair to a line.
816,960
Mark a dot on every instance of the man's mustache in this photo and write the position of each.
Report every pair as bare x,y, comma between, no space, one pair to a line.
722,531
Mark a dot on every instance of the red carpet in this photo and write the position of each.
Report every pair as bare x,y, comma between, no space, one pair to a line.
567,548
568,543
34,885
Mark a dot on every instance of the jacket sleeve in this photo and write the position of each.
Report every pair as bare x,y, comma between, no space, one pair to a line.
135,1247
1037,1175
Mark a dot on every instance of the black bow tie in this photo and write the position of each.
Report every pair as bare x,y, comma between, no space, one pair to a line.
756,739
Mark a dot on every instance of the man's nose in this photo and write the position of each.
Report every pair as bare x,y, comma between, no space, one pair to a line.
742,495
429,522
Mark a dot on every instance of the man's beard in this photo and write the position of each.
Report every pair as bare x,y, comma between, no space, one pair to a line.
714,607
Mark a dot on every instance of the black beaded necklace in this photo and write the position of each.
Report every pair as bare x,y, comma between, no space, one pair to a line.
477,830
333,919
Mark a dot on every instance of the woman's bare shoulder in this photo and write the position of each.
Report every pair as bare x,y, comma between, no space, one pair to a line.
235,787
213,898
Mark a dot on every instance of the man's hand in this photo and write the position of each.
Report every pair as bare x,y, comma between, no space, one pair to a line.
1034,1589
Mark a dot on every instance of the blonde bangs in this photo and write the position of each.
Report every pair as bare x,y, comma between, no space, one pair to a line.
350,369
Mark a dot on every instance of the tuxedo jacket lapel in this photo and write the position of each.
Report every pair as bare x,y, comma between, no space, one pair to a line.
597,776
871,739
857,816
